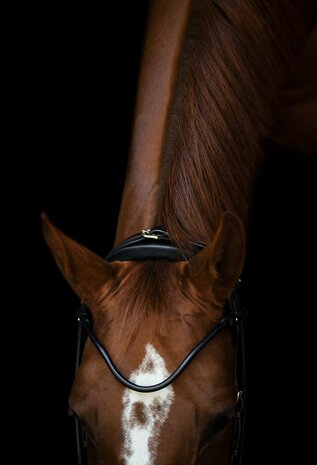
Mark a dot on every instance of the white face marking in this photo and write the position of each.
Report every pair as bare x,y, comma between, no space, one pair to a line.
144,414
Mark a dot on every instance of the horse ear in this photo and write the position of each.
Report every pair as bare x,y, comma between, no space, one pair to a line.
215,270
86,272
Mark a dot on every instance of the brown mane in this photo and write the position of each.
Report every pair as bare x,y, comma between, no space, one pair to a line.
221,112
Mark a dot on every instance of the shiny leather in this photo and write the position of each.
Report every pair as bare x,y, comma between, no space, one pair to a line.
150,244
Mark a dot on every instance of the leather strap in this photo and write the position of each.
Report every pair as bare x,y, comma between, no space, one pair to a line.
238,440
81,439
231,320
151,244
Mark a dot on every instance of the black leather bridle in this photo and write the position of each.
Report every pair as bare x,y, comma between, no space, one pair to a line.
155,244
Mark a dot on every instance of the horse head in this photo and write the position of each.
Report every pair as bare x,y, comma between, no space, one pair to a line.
149,314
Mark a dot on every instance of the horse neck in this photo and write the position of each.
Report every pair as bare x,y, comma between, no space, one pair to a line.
146,168
208,79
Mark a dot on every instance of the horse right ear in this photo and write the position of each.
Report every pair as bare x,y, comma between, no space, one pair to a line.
87,273
215,270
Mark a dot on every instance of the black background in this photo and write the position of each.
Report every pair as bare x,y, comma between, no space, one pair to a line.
74,75
73,81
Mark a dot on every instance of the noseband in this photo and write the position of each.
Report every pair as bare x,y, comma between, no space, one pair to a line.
155,244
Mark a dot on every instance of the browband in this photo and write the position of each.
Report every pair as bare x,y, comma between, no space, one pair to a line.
151,243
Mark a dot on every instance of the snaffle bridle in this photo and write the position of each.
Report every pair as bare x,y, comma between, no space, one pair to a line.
155,244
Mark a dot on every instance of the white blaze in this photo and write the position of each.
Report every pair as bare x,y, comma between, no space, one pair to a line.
144,413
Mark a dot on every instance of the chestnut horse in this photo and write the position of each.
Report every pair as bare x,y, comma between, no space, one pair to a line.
217,78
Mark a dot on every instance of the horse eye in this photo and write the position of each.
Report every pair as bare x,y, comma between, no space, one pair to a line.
220,423
214,428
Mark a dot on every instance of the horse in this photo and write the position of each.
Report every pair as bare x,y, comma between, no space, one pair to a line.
217,78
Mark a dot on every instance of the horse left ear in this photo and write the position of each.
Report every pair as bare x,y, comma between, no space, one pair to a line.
87,273
215,270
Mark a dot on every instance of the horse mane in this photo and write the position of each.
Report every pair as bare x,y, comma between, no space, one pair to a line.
218,118
221,111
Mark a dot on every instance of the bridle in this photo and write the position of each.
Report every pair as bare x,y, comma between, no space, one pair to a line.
155,244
